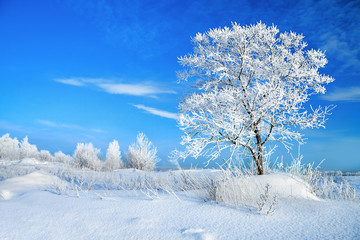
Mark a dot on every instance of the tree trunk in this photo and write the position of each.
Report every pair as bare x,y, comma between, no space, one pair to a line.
259,156
259,162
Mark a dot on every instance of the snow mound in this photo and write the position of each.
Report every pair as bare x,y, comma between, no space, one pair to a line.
19,185
281,184
265,189
29,161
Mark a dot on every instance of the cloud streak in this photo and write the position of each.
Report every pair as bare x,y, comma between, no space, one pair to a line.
157,112
67,126
351,94
133,89
138,89
336,29
71,81
5,125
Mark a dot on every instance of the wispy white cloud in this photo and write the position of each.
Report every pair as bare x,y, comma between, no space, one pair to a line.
67,126
157,112
71,81
344,50
59,125
5,125
336,29
122,22
138,89
351,94
97,130
47,123
133,89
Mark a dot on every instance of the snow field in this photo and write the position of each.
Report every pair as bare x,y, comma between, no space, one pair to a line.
43,203
130,215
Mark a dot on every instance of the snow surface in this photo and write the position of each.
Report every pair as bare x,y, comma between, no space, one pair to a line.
31,208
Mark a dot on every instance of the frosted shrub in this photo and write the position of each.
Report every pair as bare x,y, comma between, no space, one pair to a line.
9,148
45,155
61,157
326,187
322,185
86,156
267,201
28,150
231,188
142,154
113,157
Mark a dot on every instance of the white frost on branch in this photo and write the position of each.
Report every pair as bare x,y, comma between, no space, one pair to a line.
251,84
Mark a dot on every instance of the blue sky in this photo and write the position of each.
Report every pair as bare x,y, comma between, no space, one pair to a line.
94,71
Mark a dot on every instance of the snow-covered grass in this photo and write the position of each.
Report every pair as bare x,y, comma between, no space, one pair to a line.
51,200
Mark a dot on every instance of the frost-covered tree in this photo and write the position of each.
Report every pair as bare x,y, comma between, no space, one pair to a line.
113,157
28,150
86,156
45,155
9,148
251,85
142,154
62,157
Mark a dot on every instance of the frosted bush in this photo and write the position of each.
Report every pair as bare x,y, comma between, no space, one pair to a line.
327,187
142,154
61,157
9,148
323,185
28,150
267,201
14,170
113,157
46,156
232,188
86,156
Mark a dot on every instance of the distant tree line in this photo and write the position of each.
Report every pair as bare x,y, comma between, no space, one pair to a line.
141,155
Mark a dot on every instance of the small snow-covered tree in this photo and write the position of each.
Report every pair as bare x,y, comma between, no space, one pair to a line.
142,154
113,157
251,84
62,157
45,155
86,156
9,148
28,150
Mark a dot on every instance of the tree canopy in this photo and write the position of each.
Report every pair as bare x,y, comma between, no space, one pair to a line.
251,85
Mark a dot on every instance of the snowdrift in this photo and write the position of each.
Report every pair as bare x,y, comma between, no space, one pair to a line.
284,185
17,186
